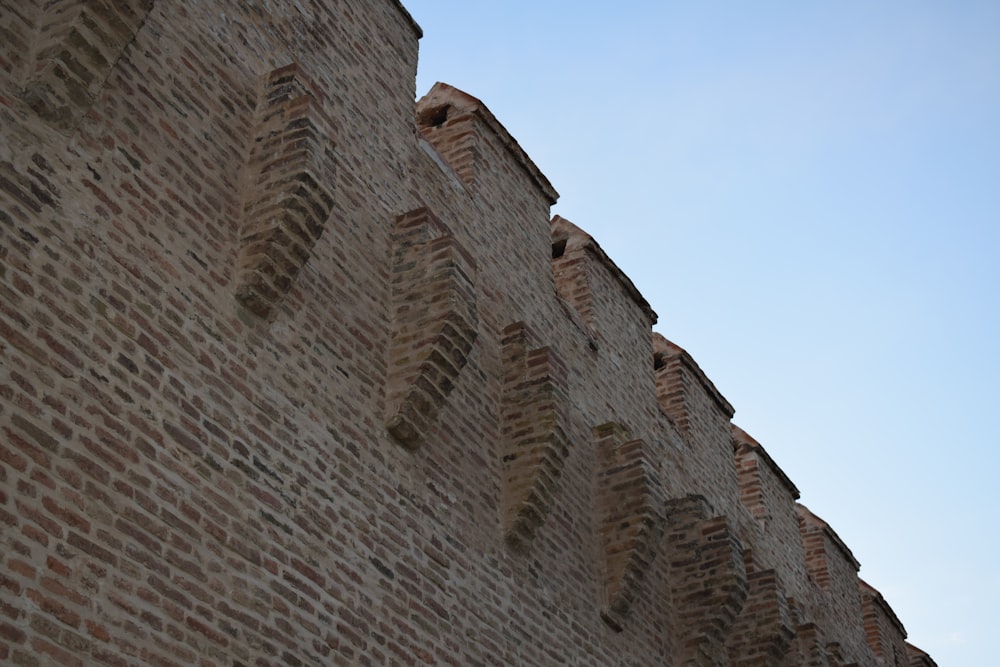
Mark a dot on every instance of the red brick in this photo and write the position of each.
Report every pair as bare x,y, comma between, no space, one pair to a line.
242,268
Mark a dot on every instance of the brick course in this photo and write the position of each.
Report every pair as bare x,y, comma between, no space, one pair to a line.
294,371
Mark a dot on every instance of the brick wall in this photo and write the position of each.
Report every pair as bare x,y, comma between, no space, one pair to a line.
886,634
296,372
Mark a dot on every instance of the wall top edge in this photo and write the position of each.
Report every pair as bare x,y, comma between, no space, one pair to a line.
465,104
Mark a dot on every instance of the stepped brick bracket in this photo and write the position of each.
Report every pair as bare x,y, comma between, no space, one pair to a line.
835,654
630,517
708,580
535,442
75,45
808,649
288,200
435,322
764,629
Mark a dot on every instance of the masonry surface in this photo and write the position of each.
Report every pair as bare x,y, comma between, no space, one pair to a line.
293,372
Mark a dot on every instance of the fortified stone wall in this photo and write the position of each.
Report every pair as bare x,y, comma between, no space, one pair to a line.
294,373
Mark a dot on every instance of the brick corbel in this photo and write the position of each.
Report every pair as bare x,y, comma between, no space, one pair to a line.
708,579
534,437
289,196
631,519
74,48
765,628
435,323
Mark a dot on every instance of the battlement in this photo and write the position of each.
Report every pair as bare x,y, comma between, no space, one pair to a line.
918,658
295,371
570,246
886,634
445,116
749,455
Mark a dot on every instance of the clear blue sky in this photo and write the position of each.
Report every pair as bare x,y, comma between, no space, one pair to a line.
808,194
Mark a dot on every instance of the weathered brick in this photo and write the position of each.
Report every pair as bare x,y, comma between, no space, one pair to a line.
229,290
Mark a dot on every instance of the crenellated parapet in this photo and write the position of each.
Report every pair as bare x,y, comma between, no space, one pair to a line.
825,552
294,372
764,486
701,416
570,268
684,393
458,126
602,305
833,569
769,496
576,259
883,629
918,658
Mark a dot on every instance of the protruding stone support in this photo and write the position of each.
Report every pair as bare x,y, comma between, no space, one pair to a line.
630,517
534,438
435,323
808,648
764,629
75,45
289,198
708,580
